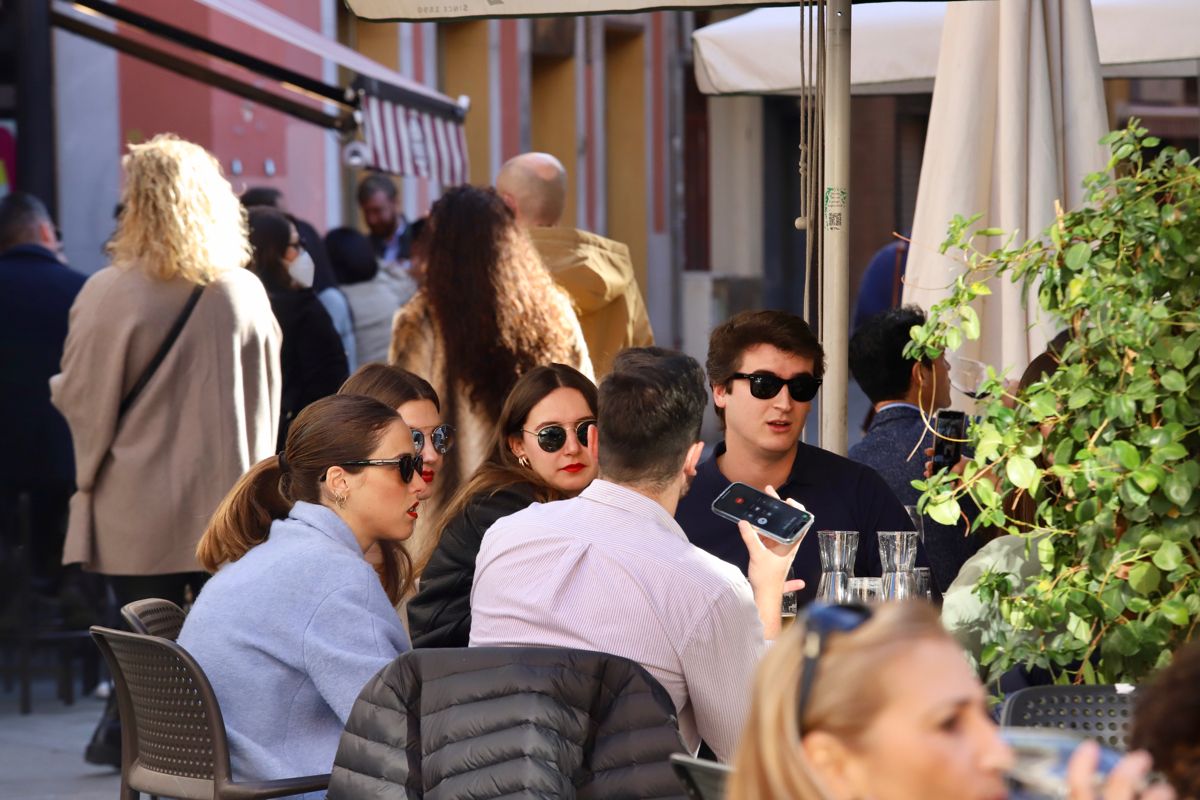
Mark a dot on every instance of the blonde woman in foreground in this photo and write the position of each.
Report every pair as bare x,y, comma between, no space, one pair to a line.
852,704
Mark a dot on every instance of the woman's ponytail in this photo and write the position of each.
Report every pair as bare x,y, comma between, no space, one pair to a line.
244,517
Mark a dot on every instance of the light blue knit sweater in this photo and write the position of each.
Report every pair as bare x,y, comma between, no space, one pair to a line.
288,635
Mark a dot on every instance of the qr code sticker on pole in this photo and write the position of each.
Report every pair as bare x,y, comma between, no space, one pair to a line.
835,208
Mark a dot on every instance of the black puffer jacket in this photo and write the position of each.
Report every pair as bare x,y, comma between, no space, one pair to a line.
517,723
440,614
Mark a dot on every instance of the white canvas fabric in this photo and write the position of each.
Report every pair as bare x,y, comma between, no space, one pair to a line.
1016,119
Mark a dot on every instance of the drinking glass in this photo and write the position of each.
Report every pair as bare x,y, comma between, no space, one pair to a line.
791,605
917,520
865,590
898,554
837,549
924,586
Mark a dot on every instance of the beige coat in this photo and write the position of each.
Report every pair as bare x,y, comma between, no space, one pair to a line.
147,487
598,274
417,347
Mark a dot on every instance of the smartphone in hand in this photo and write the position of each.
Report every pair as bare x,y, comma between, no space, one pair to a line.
951,429
774,518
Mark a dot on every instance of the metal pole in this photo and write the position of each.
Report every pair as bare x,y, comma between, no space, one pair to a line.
835,207
35,102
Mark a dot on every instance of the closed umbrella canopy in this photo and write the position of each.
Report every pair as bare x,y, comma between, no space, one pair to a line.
1018,111
896,46
429,10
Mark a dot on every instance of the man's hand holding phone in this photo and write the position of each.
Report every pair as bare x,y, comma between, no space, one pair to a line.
770,562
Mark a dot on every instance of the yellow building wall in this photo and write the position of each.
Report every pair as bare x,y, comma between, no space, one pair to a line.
463,52
552,112
625,132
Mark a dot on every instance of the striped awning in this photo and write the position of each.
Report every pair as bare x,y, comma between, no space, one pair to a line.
407,140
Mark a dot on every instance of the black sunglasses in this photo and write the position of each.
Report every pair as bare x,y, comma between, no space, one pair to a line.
552,437
820,621
407,464
442,438
765,386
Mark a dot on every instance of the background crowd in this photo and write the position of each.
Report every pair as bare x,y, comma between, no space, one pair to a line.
457,432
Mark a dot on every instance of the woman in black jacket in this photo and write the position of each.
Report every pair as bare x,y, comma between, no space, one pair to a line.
540,452
312,360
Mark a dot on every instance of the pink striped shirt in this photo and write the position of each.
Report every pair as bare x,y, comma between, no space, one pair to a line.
611,570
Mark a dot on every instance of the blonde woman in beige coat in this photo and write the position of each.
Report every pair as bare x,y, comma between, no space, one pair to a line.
488,312
149,481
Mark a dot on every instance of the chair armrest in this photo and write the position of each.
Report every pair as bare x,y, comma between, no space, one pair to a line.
263,790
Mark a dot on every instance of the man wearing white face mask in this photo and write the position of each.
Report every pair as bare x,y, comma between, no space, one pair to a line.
312,359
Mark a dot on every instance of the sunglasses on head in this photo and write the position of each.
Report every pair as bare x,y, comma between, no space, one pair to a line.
765,386
552,438
820,621
408,465
441,437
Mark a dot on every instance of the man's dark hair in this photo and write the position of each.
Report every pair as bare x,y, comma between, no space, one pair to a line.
780,329
20,215
375,183
651,407
352,256
261,196
877,353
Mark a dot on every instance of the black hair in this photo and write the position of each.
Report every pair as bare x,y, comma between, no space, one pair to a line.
20,214
261,196
352,256
650,410
375,183
877,353
270,231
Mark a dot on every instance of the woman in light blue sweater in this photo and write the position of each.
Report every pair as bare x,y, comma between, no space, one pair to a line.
295,621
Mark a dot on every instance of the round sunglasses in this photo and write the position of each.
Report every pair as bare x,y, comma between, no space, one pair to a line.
441,437
552,438
407,464
765,386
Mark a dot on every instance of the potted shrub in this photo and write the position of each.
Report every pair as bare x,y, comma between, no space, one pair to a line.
1106,447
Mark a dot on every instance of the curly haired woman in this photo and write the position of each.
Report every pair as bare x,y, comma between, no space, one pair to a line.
488,313
158,442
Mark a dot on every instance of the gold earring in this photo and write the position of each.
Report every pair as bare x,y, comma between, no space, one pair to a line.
340,500
523,461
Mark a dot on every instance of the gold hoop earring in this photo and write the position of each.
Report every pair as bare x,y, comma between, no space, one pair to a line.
340,501
523,461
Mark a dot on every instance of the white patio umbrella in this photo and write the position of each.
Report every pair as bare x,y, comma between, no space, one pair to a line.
428,10
1018,111
896,46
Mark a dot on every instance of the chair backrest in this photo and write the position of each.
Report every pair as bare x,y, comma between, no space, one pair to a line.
154,617
1099,712
493,722
172,735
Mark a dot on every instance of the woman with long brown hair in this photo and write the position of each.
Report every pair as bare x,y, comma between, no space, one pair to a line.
419,406
856,702
295,621
488,313
541,451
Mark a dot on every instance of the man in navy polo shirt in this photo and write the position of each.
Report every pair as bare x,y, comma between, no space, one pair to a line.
765,368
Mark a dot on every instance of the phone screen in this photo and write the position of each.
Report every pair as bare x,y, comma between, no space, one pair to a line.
773,518
951,427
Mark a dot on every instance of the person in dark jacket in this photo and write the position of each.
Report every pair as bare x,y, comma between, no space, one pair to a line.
540,453
312,359
36,293
906,393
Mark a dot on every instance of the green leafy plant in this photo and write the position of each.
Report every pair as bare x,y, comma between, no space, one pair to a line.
1103,452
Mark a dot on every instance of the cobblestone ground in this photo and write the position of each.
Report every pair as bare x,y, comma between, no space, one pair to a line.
41,754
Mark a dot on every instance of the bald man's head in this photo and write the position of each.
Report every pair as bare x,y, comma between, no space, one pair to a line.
534,185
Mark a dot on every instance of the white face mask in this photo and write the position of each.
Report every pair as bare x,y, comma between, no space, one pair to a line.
302,270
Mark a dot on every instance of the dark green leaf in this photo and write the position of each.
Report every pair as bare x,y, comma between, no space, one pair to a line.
1078,255
1178,488
1173,381
1127,455
1170,452
1080,397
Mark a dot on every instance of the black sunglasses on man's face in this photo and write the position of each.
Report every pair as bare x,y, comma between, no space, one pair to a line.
766,385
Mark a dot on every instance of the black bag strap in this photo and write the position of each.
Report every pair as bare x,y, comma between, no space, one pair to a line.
161,355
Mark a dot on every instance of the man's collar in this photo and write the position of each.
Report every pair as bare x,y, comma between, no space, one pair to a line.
627,499
797,472
32,249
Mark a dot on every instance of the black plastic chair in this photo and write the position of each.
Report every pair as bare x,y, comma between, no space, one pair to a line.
1099,712
173,741
154,617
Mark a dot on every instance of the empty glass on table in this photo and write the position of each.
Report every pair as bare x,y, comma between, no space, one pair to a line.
838,549
898,554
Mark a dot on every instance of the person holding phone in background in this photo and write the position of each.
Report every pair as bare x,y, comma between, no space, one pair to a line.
611,570
765,369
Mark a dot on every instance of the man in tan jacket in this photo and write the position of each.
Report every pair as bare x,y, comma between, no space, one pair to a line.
597,272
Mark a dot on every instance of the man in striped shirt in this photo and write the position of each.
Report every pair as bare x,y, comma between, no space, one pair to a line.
611,570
